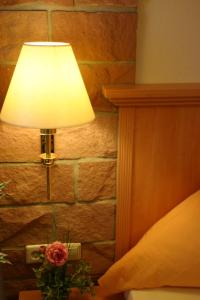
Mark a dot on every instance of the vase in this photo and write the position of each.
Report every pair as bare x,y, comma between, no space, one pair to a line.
53,297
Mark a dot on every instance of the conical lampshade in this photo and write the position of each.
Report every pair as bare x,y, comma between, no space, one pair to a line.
47,90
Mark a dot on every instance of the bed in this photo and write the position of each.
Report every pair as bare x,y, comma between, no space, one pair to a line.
164,294
158,168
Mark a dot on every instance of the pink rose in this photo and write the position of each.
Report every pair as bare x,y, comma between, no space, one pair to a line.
56,254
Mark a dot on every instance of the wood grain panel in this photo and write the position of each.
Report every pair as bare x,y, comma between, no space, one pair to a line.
159,154
124,180
153,94
167,163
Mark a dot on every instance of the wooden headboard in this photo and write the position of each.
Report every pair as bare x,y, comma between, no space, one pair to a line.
159,154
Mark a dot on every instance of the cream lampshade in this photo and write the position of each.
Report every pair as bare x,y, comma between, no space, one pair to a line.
47,92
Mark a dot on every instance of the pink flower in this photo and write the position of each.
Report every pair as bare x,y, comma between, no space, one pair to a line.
56,254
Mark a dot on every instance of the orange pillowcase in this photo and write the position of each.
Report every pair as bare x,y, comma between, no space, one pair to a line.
167,255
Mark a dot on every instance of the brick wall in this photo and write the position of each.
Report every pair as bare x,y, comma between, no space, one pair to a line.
102,34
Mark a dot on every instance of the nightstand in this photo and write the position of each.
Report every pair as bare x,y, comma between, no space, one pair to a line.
36,295
75,295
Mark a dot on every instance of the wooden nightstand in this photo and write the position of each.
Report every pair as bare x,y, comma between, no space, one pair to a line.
75,295
36,295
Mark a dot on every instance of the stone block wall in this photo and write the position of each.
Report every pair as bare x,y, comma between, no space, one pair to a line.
102,34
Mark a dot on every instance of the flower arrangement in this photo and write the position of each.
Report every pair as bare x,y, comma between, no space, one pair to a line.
56,276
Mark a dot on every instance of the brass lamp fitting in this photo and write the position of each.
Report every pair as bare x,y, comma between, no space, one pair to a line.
48,156
47,146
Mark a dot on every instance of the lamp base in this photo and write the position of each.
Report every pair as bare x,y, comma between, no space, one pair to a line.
47,146
48,160
48,156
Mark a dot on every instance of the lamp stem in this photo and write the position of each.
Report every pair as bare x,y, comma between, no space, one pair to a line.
48,174
47,156
48,145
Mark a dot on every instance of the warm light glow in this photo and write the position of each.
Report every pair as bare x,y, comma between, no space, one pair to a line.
46,44
47,90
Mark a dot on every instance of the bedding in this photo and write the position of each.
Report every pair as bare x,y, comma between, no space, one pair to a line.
167,255
164,294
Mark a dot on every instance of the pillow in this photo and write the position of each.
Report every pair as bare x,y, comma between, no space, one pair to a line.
167,255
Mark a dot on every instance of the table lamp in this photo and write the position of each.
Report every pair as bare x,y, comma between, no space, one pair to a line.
47,92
